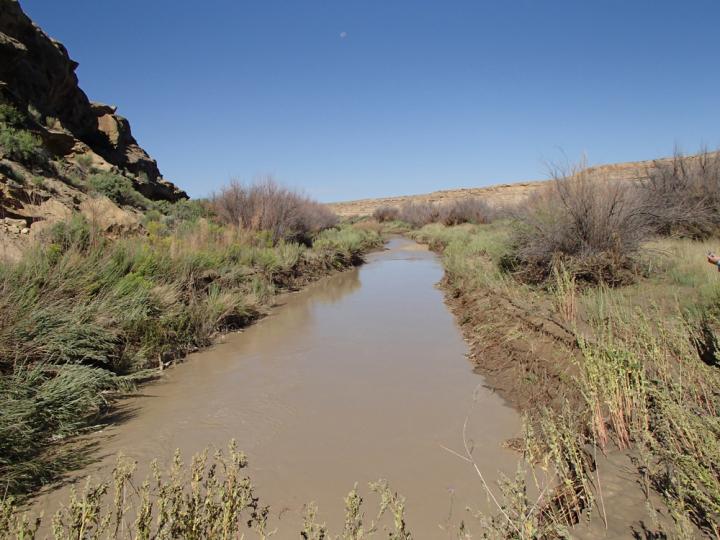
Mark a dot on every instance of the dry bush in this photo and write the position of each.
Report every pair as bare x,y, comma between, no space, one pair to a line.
456,212
418,214
386,213
470,210
268,206
587,223
682,197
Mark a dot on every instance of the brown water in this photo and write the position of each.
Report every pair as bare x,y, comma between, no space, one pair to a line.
361,376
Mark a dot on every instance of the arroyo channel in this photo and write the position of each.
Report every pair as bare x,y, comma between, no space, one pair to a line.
358,377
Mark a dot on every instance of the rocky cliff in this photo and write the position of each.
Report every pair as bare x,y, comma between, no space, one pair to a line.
53,139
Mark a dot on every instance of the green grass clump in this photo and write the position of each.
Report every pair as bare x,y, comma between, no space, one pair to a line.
345,246
84,306
43,399
471,254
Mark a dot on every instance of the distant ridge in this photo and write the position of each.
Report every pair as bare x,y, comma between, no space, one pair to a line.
510,193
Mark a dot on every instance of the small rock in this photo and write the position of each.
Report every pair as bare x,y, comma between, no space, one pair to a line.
25,231
19,223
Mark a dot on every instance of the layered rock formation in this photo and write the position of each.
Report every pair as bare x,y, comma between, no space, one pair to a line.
68,140
37,75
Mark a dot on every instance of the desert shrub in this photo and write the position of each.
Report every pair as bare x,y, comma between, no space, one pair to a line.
12,173
16,142
268,206
186,210
456,212
74,233
386,213
469,210
682,197
10,116
84,163
19,144
590,225
418,214
117,188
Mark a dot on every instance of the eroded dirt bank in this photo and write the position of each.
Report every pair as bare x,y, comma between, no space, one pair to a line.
361,376
527,355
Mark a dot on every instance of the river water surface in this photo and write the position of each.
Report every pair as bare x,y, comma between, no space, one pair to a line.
361,376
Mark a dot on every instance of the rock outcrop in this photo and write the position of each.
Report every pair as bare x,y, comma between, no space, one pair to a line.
38,76
61,153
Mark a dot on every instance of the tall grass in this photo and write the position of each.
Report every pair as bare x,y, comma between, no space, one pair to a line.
81,313
647,389
43,404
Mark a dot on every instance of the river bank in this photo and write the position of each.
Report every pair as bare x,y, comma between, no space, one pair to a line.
360,376
619,396
85,318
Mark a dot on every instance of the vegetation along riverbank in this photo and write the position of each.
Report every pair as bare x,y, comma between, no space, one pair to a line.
587,301
593,310
85,317
600,325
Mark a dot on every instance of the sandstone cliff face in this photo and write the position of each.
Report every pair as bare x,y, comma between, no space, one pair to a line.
56,145
38,76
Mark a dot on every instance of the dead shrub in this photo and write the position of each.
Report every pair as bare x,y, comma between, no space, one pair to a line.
386,213
419,214
469,210
591,226
682,197
268,206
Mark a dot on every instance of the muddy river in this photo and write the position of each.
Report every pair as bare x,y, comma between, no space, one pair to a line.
361,376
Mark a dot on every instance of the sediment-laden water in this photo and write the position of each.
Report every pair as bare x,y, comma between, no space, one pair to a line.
361,376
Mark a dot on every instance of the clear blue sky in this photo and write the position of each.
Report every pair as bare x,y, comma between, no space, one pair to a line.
363,98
